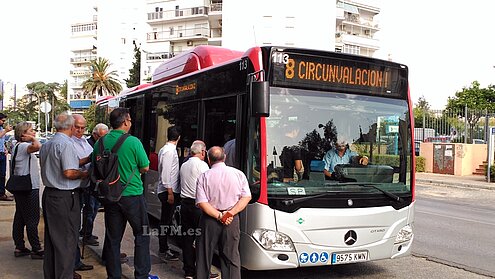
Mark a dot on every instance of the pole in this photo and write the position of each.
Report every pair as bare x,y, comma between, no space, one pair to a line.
15,93
46,120
465,123
1,92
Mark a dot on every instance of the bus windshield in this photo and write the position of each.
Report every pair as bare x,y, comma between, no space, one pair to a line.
306,129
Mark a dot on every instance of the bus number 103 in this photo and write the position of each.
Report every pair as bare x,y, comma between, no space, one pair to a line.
279,57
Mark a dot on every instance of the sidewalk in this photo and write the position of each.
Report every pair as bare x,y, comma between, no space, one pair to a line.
469,181
25,267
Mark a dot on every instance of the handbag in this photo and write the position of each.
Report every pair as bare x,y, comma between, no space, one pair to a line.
19,183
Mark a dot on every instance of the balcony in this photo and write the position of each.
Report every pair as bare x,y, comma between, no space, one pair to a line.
356,20
158,56
80,73
82,59
179,14
75,85
177,36
358,40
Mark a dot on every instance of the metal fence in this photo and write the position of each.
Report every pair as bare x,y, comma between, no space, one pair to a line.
463,126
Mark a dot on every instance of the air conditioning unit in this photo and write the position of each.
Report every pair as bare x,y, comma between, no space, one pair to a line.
189,43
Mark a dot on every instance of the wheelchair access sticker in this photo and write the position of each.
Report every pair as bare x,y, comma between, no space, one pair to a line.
313,257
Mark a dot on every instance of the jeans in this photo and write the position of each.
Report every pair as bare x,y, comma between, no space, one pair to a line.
3,166
132,210
90,209
167,213
27,215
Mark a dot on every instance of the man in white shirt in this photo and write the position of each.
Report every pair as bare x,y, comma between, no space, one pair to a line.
168,189
190,214
83,150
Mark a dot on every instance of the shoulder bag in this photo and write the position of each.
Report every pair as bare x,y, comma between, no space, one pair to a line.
19,183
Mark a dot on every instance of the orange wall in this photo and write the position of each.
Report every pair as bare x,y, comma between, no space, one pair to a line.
467,157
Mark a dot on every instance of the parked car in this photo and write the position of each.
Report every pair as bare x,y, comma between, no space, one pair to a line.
479,141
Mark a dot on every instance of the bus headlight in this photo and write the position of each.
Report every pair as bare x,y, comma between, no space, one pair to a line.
272,240
404,234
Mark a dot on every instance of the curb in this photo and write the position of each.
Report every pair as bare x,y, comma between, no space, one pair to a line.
456,184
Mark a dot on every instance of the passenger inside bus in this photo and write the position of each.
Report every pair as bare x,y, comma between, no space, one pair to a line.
341,154
293,157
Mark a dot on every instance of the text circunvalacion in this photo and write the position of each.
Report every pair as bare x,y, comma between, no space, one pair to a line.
187,87
314,71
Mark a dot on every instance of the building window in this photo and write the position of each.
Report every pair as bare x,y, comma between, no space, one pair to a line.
352,49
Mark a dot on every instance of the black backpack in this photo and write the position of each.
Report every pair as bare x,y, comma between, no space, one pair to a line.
104,172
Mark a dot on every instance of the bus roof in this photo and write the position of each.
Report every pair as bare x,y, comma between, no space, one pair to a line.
200,57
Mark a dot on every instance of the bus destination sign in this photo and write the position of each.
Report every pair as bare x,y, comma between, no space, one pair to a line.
330,73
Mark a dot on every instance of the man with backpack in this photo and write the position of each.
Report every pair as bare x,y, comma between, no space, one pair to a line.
131,206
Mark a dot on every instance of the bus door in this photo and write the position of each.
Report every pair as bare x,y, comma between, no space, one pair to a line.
220,119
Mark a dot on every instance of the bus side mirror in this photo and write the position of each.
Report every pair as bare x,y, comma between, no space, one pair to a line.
260,99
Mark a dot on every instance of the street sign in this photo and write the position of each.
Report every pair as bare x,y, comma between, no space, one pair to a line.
45,107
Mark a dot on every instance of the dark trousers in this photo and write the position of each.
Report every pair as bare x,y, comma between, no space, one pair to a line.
27,214
226,238
167,213
90,209
3,167
132,210
62,215
190,215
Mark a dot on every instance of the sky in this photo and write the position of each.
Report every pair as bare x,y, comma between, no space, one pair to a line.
445,44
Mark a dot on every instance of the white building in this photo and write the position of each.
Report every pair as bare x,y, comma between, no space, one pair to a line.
165,28
83,46
356,28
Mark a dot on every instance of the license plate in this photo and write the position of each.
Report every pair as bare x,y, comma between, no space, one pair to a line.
349,257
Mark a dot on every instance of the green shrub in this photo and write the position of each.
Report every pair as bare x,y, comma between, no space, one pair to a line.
393,160
420,164
492,173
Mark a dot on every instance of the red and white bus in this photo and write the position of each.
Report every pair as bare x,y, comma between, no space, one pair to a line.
272,101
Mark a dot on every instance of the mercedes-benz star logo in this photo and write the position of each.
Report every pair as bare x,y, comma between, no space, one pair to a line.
350,237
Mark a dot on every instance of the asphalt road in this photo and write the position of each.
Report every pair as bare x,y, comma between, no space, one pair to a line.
455,226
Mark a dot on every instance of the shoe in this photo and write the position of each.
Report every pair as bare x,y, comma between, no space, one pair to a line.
77,275
6,198
150,276
22,252
168,256
37,255
84,267
212,276
91,241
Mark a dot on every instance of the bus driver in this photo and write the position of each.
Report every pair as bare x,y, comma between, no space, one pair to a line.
341,154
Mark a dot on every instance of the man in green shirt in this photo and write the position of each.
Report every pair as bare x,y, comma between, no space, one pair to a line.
132,206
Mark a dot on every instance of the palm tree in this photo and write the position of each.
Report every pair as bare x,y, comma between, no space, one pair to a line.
102,82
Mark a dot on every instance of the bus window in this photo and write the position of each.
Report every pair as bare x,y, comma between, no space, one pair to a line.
220,123
184,116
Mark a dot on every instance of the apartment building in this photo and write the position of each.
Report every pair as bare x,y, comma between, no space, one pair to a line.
83,44
177,26
163,29
356,27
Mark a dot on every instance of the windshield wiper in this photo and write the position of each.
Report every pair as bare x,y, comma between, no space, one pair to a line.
386,193
365,185
301,199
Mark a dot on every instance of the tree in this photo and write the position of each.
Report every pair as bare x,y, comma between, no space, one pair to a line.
89,115
102,82
135,71
420,110
27,106
472,97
